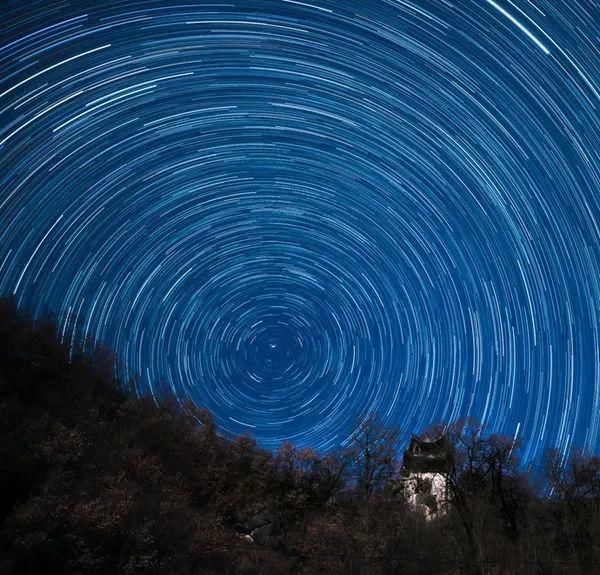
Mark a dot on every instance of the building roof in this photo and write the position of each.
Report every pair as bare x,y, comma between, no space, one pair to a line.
427,455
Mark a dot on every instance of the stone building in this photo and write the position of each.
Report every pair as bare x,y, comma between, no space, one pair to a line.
425,467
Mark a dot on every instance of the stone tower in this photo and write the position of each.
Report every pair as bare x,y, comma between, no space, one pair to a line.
425,468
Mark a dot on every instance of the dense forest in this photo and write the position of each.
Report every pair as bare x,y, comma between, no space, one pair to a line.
97,480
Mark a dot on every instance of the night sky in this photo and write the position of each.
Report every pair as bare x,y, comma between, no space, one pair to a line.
297,213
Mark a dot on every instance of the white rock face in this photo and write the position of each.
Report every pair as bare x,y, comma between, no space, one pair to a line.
426,492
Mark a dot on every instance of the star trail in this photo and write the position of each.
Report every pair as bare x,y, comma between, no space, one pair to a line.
297,213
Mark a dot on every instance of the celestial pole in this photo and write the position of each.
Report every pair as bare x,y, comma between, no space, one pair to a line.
298,213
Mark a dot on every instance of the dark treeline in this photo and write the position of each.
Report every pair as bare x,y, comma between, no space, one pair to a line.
95,480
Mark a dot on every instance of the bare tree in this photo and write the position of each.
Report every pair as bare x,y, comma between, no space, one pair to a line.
373,453
485,487
576,506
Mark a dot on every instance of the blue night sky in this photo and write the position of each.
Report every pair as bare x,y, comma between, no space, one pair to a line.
297,213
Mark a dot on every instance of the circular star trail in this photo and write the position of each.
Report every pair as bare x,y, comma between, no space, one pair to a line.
296,213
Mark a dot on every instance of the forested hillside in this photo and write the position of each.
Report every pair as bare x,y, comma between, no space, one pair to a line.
96,480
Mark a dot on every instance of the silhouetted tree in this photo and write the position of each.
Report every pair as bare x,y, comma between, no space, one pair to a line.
373,453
